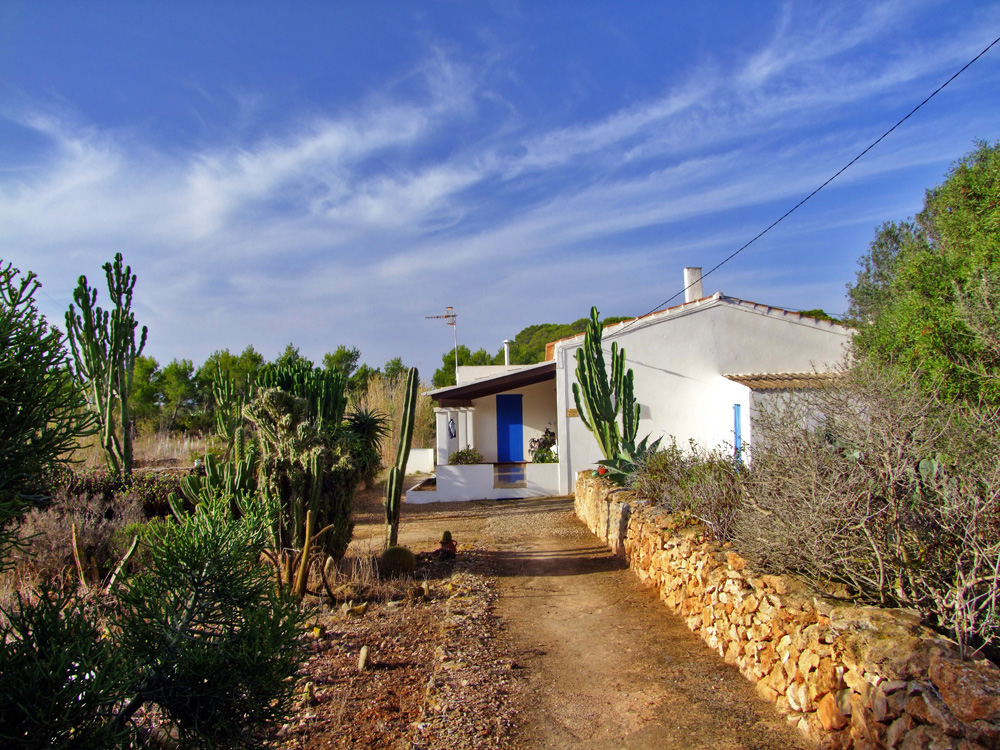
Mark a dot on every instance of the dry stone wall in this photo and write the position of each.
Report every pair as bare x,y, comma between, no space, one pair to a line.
846,676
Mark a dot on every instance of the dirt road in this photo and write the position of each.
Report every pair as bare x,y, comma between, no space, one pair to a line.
606,665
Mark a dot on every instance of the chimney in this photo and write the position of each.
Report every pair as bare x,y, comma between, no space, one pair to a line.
692,284
506,352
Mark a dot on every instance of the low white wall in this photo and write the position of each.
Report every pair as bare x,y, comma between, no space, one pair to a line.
421,461
456,483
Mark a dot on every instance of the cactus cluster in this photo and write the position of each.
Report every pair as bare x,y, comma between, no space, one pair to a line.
229,403
325,391
301,473
104,353
235,479
600,399
394,485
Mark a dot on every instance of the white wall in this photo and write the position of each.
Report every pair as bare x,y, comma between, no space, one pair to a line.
457,483
679,360
420,461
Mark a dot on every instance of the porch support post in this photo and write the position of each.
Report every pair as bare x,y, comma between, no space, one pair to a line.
441,418
463,432
470,425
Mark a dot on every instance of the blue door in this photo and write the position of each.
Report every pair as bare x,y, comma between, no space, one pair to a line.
510,431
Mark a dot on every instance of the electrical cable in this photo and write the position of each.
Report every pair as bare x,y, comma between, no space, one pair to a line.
790,211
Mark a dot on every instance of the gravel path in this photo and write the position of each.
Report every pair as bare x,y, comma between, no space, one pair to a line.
598,661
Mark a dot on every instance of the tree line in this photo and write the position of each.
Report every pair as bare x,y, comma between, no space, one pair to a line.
180,397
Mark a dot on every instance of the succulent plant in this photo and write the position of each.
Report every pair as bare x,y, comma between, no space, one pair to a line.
394,485
397,561
600,399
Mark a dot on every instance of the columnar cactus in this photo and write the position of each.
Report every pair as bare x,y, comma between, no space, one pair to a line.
325,391
104,353
394,486
600,399
301,472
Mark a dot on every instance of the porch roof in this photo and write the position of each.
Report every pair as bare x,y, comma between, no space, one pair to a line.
785,381
508,381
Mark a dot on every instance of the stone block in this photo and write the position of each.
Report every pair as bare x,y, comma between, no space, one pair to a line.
863,722
971,690
829,713
927,708
898,730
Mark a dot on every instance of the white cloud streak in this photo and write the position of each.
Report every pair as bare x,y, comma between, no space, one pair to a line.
328,223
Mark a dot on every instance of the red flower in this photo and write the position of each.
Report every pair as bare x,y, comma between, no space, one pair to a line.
602,470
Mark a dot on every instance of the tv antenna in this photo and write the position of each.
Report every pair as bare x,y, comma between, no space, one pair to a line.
451,318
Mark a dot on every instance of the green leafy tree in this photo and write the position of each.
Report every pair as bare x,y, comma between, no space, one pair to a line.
920,283
347,361
394,369
232,376
104,354
343,360
145,399
445,375
178,391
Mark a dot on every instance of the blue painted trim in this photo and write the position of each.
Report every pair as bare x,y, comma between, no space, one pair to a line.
737,434
510,428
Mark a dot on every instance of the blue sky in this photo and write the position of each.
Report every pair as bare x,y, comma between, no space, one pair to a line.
332,173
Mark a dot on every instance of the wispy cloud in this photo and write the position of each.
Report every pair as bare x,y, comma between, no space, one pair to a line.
329,220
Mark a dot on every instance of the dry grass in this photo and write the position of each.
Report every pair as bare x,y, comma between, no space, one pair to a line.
386,396
153,449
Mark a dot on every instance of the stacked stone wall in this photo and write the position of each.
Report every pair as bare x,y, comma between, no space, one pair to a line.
847,676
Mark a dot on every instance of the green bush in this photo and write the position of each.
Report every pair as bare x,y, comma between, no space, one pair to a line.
466,457
41,405
214,641
61,678
202,635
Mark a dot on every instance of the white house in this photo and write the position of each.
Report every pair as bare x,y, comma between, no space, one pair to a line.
699,369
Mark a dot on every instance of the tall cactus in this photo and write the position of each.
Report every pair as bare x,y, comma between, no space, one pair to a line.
600,399
104,354
394,486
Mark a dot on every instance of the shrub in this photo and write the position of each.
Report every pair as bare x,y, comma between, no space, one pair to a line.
466,457
213,639
879,485
46,534
61,678
203,635
42,411
705,484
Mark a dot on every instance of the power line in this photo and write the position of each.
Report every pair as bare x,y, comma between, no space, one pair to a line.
794,208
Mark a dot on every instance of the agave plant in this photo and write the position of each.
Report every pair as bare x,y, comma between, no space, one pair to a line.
629,461
366,433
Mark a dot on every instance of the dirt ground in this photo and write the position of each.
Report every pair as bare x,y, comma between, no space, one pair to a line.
535,637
